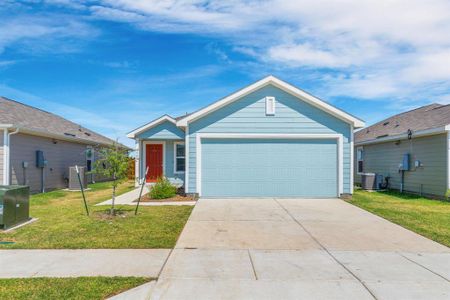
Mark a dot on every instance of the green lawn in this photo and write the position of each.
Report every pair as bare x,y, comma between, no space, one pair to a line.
66,288
63,224
430,218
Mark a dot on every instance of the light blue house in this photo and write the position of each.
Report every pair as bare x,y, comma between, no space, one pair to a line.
269,139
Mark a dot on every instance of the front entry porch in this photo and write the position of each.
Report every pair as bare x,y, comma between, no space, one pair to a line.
163,158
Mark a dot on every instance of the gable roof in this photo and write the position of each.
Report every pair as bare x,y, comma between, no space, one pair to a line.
35,121
346,117
422,119
164,118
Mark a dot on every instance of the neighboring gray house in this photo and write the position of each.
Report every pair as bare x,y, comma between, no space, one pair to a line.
423,133
269,139
27,129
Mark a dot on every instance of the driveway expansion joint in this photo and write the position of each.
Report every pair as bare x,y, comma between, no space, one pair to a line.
253,265
420,265
326,250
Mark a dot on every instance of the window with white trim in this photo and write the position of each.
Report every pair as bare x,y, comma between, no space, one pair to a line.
89,158
180,158
270,106
360,159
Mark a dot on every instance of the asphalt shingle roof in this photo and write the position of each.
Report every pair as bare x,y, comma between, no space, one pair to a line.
426,117
35,119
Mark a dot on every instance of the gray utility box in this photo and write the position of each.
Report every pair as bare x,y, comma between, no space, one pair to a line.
14,205
74,183
369,181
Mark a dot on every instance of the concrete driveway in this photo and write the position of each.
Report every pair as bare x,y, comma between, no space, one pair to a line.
300,248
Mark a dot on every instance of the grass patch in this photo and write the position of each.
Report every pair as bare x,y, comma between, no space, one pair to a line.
66,288
430,218
63,224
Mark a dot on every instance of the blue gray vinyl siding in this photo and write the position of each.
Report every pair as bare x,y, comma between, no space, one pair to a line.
169,167
432,152
247,115
164,131
249,168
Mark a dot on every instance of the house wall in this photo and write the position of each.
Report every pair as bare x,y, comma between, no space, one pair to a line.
60,156
247,115
169,166
432,151
1,156
165,132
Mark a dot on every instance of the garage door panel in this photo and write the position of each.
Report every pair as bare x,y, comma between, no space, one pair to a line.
269,168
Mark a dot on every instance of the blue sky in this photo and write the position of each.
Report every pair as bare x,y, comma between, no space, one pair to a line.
115,65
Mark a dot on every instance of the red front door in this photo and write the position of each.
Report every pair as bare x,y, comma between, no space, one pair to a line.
154,161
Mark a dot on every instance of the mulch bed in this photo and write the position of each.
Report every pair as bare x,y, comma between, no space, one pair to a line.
176,198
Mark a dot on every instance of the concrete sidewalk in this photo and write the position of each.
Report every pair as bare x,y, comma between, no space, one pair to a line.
76,263
131,196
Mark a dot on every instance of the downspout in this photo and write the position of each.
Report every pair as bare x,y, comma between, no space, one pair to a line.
7,156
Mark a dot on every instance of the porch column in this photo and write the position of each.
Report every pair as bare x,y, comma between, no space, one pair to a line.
137,162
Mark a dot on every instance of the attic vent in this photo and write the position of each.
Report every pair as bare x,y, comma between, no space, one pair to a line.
385,123
270,106
382,136
69,134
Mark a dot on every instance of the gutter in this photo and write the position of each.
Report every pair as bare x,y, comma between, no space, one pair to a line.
404,136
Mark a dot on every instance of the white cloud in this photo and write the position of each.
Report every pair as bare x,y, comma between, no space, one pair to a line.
307,55
39,33
396,48
365,49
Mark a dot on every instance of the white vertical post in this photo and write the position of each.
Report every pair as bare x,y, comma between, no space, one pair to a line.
186,160
137,161
5,157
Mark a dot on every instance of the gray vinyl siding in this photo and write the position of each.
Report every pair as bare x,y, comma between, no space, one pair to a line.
431,178
2,167
60,156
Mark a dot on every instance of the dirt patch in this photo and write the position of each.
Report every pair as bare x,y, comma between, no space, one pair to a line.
106,214
176,198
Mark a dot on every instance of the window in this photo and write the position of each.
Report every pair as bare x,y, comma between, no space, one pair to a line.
89,159
270,106
360,159
179,157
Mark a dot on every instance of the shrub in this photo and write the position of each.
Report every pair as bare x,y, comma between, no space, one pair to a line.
447,194
163,189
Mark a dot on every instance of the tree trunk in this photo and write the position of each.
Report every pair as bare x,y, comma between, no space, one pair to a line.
113,212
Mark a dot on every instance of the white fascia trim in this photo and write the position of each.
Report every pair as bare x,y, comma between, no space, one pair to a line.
357,123
338,137
175,157
153,123
144,155
404,136
6,126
